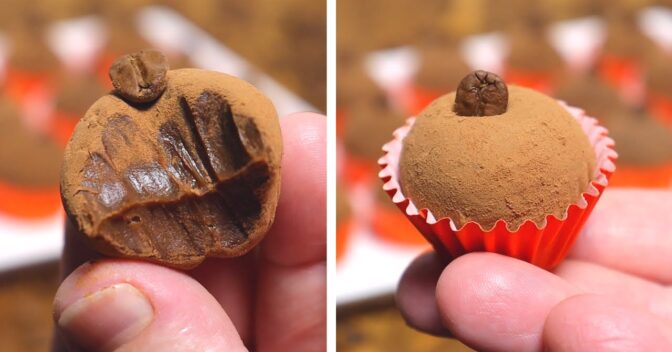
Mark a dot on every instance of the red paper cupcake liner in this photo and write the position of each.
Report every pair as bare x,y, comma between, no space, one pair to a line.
27,202
624,74
25,85
659,176
343,232
392,226
660,107
544,246
358,170
62,126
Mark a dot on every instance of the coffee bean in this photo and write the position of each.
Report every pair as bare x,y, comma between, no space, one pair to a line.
140,77
481,93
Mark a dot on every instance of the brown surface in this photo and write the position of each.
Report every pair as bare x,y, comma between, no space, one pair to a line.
659,75
640,139
77,92
123,39
286,39
530,51
343,210
593,95
355,87
529,162
210,145
376,325
28,158
441,67
29,49
624,38
25,308
367,128
375,24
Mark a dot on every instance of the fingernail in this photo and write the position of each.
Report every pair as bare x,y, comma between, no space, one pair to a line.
106,319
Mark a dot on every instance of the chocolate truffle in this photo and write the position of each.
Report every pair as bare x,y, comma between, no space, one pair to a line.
77,92
593,95
196,174
28,159
356,87
641,139
530,51
368,127
659,74
441,67
625,38
531,161
29,51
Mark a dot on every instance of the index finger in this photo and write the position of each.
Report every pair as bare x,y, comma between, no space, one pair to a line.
630,230
291,291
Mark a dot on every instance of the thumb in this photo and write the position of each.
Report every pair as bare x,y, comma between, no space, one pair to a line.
117,305
591,322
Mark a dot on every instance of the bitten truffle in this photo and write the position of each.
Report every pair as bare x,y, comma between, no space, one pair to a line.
195,174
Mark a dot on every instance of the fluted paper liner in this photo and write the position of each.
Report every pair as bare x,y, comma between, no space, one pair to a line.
545,246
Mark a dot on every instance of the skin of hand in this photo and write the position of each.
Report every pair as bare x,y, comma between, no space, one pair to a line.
272,299
613,293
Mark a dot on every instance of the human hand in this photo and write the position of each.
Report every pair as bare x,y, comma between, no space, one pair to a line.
272,299
613,293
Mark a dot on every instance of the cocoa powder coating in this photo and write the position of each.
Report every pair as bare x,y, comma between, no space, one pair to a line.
194,175
529,162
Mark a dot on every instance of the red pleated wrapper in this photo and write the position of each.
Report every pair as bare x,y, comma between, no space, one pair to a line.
544,246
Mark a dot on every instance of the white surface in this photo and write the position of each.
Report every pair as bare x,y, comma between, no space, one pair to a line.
370,267
578,41
77,42
485,51
24,242
656,22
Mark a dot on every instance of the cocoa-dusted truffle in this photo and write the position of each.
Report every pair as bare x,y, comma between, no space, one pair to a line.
368,127
76,93
528,162
193,175
27,158
441,66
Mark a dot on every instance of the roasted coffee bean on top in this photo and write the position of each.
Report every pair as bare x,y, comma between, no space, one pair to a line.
194,175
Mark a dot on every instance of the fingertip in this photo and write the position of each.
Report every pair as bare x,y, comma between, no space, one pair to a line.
110,303
486,295
298,235
416,295
599,323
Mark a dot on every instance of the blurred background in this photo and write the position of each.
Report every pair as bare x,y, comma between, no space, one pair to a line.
54,59
610,58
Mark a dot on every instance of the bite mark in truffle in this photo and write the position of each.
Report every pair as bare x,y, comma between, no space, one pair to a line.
188,198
